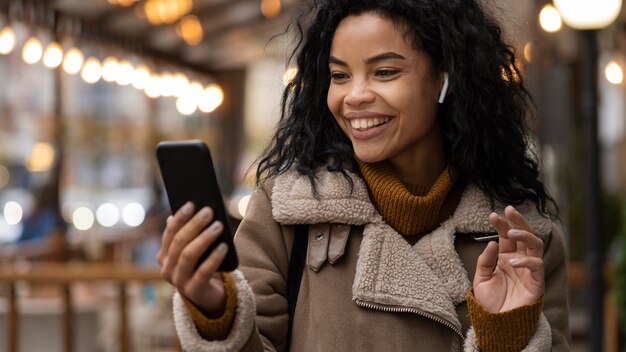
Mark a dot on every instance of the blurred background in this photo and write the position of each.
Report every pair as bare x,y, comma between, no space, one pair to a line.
89,87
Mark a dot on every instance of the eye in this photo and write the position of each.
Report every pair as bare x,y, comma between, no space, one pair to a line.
386,72
338,76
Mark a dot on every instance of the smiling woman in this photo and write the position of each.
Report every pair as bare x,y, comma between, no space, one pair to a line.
401,182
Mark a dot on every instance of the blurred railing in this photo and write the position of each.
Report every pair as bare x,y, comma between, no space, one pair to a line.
64,275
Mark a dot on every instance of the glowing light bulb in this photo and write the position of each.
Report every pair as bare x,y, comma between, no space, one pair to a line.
125,73
186,104
133,214
614,73
270,8
211,98
586,14
82,218
53,56
32,51
190,29
40,157
7,40
73,61
13,213
141,76
167,85
110,69
550,19
107,215
181,84
152,89
92,70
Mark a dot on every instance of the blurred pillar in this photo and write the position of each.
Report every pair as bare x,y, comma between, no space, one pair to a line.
594,256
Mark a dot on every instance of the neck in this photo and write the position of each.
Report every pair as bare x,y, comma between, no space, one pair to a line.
422,169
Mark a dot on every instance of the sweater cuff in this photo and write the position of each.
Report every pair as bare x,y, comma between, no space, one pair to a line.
506,331
218,328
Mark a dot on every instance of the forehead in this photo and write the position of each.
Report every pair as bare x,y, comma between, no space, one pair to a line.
369,31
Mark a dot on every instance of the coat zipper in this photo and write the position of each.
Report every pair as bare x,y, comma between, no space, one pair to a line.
408,310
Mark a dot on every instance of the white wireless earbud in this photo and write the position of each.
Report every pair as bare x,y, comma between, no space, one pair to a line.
444,90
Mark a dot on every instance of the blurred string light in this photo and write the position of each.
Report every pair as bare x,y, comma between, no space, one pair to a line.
190,30
211,98
586,14
613,73
133,214
107,215
92,70
7,40
167,85
550,19
53,55
181,84
141,76
73,61
5,176
40,157
13,213
32,51
110,69
125,72
152,89
270,8
82,218
166,11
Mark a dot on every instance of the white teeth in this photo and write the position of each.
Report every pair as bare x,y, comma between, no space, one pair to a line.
367,123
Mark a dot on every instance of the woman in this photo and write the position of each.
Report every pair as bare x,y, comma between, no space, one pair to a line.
402,139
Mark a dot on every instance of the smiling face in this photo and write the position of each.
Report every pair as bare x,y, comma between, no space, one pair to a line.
383,94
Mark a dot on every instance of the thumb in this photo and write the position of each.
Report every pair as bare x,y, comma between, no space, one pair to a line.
486,263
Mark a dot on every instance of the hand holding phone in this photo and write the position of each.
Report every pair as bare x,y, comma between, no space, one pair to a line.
188,175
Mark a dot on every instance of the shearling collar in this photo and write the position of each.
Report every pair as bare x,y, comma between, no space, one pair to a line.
427,278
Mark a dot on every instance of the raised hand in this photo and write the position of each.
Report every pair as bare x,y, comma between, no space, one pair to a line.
510,274
183,242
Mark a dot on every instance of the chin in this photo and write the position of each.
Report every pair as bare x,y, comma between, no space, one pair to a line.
368,157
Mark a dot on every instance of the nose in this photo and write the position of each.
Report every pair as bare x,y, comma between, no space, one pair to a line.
359,93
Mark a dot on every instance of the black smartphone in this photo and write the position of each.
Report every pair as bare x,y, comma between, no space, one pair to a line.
188,175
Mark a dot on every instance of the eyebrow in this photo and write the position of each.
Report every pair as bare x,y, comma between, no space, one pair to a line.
371,60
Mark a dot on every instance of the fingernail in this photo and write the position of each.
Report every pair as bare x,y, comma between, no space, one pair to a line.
204,213
187,208
514,261
214,226
514,233
221,248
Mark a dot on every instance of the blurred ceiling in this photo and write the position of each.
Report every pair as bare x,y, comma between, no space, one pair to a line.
235,32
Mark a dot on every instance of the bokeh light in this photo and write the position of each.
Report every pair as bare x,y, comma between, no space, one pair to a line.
82,218
107,214
133,214
13,213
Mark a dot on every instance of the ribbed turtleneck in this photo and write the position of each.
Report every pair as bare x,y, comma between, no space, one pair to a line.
409,209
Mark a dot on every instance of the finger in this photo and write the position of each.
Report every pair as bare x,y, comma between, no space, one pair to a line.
516,219
486,263
193,251
173,224
532,245
502,226
186,234
209,267
534,264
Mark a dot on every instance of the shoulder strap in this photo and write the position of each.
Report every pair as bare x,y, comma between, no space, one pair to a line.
296,267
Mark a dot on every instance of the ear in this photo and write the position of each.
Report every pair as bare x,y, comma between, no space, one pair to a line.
444,90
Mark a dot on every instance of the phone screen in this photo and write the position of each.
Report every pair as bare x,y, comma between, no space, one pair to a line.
188,175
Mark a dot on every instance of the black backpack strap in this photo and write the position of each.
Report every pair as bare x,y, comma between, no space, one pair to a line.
296,267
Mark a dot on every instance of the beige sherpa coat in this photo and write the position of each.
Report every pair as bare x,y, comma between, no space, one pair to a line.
365,288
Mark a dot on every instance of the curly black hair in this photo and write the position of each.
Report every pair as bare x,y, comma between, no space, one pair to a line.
483,119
